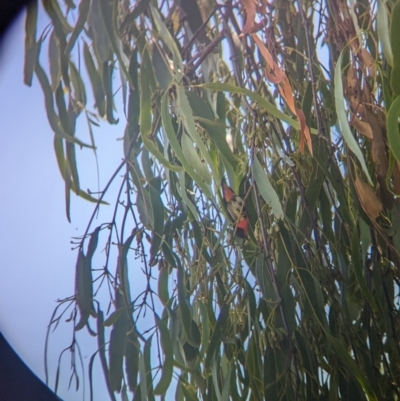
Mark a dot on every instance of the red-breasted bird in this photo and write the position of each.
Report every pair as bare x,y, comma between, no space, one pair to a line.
237,210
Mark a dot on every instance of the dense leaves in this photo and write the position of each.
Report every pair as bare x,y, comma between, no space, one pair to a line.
297,105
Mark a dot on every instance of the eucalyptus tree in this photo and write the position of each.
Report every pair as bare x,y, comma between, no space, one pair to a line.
296,105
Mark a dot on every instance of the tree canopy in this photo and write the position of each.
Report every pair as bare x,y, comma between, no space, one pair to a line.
296,104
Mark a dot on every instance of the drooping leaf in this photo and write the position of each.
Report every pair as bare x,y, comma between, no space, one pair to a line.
109,16
266,189
158,218
31,47
342,118
54,61
94,76
271,108
395,46
392,126
83,289
167,367
216,336
49,103
169,130
84,6
368,199
132,354
116,352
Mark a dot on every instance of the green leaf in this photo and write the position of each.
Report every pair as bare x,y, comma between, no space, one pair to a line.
271,108
94,240
54,11
205,332
109,14
102,350
217,335
161,69
167,366
383,31
183,192
266,189
145,210
216,130
49,103
84,6
313,301
352,367
162,284
143,381
342,117
83,289
54,61
158,222
392,126
79,87
186,315
395,43
31,47
394,37
253,365
264,279
132,354
145,97
190,152
59,151
356,259
189,392
107,74
166,37
101,44
123,269
61,28
117,344
185,115
214,371
170,132
147,366
145,113
72,166
95,79
114,317
139,8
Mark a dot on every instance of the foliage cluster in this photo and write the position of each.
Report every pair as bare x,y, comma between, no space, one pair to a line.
297,104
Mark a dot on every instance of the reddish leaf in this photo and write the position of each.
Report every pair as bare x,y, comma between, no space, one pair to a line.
305,136
368,199
250,7
362,127
273,72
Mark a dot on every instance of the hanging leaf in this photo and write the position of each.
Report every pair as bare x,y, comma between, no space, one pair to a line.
266,189
368,199
342,118
31,47
83,289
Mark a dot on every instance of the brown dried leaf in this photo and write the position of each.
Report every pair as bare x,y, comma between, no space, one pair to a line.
368,199
287,93
379,154
369,61
250,7
305,136
362,127
351,80
273,73
358,108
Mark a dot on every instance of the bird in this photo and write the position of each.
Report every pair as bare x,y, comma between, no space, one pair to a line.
236,207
